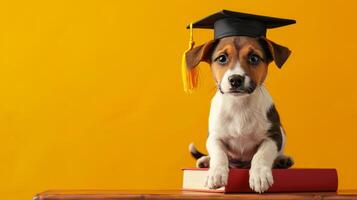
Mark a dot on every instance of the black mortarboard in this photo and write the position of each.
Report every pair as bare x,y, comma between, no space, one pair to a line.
228,23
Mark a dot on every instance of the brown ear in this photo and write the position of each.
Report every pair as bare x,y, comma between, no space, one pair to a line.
198,54
279,53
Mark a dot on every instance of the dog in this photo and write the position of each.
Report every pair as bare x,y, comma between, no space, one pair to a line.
244,126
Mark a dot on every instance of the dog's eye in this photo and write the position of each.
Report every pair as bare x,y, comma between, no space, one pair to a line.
222,59
254,59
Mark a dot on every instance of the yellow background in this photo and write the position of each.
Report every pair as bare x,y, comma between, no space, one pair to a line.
91,93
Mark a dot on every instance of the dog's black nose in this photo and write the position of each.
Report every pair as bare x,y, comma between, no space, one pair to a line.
236,81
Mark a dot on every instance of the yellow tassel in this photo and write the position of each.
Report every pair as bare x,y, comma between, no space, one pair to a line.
189,76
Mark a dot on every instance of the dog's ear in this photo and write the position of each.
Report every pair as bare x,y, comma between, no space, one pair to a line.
200,53
276,52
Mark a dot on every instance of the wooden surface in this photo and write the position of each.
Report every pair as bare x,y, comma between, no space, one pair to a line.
177,194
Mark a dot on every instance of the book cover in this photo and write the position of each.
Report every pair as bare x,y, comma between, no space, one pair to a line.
285,180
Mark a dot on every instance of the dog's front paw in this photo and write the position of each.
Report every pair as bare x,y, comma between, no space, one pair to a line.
217,177
260,178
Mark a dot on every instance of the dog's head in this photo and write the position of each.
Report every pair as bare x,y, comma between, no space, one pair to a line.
239,64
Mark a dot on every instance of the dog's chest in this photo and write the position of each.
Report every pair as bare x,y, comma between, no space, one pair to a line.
240,127
242,133
239,122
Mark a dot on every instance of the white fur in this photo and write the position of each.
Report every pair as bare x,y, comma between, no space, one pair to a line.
283,141
241,122
260,175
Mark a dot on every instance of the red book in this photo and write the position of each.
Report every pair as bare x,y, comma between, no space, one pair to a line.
285,180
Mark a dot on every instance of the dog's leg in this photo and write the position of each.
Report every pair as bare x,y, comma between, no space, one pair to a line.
260,174
218,171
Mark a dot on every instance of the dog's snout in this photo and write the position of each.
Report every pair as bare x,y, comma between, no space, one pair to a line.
236,81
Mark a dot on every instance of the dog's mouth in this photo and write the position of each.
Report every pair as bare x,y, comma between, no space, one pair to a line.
238,91
247,90
232,91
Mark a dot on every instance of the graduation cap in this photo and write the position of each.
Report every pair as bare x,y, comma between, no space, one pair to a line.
229,23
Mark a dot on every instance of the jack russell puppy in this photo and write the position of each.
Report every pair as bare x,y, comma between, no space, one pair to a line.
244,126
